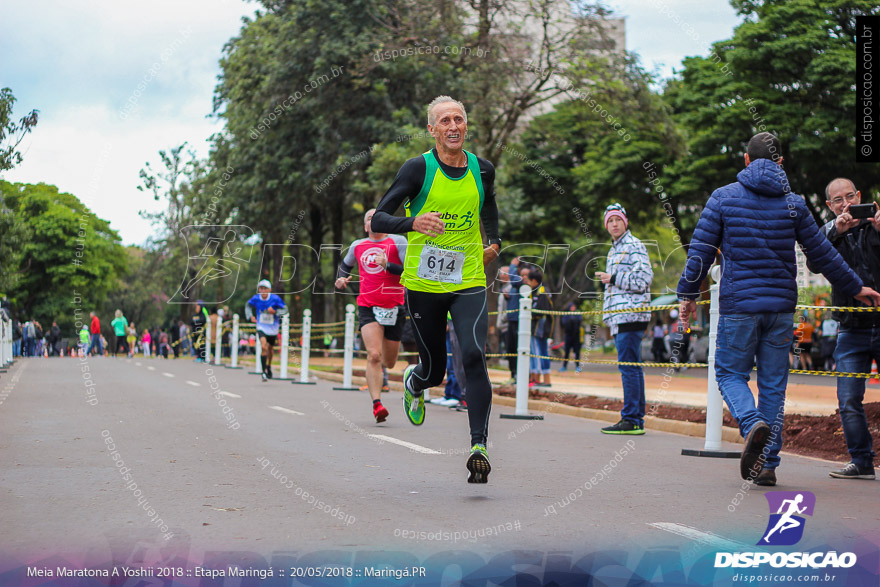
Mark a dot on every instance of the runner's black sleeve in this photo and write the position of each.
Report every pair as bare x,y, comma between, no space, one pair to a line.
394,268
344,270
405,187
348,262
489,215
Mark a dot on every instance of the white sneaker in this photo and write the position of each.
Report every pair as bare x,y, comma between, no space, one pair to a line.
437,400
449,403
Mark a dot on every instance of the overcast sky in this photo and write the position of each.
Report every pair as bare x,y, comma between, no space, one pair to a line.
80,63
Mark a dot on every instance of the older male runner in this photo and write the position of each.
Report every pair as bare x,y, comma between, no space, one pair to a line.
446,192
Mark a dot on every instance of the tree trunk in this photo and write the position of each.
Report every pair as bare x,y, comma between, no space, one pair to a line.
316,236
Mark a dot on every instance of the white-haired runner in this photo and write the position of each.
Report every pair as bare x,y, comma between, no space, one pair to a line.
447,192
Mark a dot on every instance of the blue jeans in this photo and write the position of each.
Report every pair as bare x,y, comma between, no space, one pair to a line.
856,348
96,342
629,350
743,339
538,346
16,348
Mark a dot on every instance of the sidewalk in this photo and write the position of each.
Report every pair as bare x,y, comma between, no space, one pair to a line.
686,388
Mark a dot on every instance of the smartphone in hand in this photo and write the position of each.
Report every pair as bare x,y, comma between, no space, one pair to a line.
863,210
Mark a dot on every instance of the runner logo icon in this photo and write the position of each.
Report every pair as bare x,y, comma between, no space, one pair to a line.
786,525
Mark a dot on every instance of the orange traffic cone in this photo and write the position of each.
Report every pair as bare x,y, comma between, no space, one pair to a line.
874,376
62,352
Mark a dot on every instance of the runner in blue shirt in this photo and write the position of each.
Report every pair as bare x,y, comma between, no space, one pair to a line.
265,309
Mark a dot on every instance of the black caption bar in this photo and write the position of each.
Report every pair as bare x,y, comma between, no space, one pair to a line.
868,89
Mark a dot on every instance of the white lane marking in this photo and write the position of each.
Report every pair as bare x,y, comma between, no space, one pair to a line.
227,394
167,374
151,368
138,364
193,383
286,411
713,540
409,445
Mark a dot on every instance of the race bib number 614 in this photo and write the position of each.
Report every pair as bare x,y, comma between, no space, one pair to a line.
441,265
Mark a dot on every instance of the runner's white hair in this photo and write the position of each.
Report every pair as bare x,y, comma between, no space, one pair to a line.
442,100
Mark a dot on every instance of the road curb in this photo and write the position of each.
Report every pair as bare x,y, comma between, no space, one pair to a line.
694,429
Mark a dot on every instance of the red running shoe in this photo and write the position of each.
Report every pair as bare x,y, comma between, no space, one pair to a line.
379,412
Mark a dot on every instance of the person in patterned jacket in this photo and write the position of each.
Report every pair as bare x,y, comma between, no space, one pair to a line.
627,279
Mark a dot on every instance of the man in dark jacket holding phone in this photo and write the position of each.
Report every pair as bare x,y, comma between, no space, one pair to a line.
755,223
858,342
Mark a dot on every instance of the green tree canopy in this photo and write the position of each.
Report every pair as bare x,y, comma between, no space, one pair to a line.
11,132
788,69
70,258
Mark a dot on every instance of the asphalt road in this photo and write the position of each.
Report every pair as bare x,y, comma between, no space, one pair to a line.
243,481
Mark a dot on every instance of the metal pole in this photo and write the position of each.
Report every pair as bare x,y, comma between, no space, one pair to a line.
349,350
306,348
233,362
523,348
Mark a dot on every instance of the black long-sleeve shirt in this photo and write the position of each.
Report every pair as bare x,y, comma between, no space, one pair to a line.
408,184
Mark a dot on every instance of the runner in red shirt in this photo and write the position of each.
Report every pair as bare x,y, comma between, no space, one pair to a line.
381,314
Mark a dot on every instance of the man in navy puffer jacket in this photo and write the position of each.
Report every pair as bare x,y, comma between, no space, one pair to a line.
755,222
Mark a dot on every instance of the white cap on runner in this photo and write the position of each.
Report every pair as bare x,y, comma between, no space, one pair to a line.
264,283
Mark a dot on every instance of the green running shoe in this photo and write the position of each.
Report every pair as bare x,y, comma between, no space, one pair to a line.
624,427
413,406
478,464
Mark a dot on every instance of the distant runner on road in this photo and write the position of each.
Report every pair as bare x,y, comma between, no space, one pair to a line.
265,309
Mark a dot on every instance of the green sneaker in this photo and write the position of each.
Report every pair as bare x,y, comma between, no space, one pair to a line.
478,464
623,427
413,406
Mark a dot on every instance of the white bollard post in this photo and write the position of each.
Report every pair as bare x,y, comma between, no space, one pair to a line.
285,345
258,354
523,348
206,340
349,350
218,348
233,349
714,406
306,348
714,411
3,336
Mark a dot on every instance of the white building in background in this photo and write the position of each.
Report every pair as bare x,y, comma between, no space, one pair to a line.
524,31
805,277
532,32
